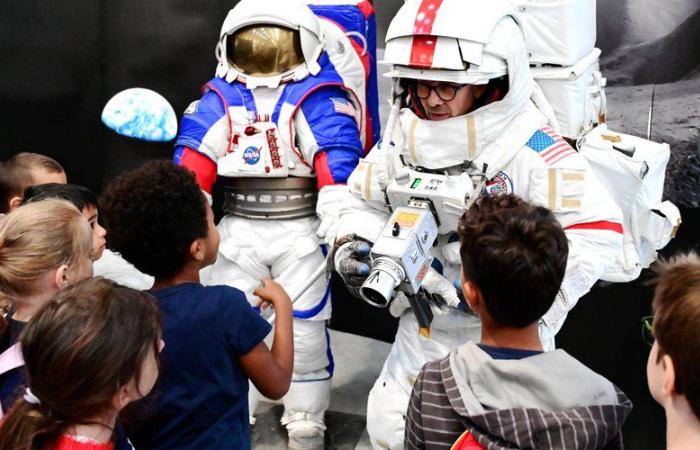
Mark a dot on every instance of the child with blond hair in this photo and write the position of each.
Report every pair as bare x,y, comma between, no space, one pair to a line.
44,247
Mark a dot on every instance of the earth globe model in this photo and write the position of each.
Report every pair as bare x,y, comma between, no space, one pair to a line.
141,114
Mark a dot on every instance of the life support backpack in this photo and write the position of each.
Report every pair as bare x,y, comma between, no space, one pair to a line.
633,170
560,39
353,22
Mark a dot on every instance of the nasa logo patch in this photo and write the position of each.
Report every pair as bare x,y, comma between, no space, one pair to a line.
251,155
499,184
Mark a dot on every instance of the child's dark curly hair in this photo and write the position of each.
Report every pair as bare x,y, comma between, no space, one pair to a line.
516,255
152,215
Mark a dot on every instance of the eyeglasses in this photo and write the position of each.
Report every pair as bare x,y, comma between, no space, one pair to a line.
445,91
648,330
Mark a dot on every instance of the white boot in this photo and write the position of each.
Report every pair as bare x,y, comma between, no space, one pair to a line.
306,430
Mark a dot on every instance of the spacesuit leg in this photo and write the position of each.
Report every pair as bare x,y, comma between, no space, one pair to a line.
309,394
386,412
388,400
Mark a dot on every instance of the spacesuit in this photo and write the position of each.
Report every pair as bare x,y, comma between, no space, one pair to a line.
505,144
280,125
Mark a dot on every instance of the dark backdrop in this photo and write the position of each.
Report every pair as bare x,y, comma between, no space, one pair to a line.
62,60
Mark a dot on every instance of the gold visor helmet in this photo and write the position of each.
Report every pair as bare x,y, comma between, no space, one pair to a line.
264,50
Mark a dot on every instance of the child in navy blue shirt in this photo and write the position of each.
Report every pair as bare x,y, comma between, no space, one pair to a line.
159,220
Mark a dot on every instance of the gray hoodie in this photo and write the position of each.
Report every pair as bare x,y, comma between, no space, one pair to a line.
546,401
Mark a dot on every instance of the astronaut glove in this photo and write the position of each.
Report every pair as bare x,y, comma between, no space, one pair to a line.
351,261
437,285
331,199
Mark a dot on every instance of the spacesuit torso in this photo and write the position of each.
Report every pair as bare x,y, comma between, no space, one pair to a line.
524,157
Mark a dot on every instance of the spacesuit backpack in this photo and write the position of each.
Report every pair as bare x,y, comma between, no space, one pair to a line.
633,171
354,20
560,39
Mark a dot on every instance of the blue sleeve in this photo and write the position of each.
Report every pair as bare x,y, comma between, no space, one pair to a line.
329,115
198,118
242,326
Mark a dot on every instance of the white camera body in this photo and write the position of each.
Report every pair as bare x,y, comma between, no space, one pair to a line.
447,195
401,256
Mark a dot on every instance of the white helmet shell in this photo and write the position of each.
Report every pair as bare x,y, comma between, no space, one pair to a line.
292,14
458,41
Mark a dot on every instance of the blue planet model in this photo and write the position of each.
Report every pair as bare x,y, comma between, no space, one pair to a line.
141,114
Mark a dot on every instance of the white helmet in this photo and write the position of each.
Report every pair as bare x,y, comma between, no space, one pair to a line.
459,41
283,36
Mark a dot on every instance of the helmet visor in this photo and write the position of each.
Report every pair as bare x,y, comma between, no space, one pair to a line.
265,50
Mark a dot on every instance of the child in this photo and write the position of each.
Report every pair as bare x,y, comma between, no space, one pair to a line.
105,262
82,198
23,170
504,391
160,221
673,371
88,352
44,247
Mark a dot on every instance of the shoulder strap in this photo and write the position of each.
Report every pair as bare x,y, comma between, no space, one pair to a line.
11,358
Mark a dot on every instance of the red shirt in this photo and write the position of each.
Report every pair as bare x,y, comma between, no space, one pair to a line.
67,442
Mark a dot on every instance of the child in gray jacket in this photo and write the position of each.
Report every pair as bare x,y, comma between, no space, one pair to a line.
504,392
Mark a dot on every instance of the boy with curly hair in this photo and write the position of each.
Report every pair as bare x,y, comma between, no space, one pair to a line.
504,390
159,220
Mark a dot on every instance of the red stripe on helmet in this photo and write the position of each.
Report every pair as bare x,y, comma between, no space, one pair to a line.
422,51
423,47
427,11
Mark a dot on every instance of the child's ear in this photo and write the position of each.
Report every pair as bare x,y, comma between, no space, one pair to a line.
669,386
197,250
473,296
61,276
15,202
123,397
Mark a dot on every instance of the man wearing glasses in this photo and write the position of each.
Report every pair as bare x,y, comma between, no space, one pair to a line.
441,100
470,118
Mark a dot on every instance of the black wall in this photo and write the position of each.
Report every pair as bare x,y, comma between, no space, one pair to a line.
60,61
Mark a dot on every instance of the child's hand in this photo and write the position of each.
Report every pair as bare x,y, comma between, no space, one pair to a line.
272,293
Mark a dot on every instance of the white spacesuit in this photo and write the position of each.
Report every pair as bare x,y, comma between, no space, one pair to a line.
282,123
504,144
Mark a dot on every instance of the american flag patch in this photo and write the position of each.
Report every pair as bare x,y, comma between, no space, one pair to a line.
343,106
551,147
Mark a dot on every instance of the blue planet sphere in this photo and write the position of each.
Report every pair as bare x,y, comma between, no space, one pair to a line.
141,114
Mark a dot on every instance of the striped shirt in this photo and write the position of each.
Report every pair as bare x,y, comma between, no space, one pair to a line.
436,418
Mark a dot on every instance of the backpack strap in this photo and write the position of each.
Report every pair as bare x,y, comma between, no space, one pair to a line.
467,441
10,359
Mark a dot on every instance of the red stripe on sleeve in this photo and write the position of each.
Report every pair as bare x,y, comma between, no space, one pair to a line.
204,168
324,177
600,225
